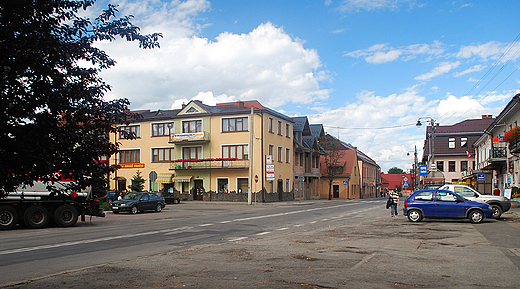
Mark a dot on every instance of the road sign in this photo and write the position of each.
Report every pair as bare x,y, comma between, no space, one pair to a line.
423,170
269,176
345,183
256,178
269,168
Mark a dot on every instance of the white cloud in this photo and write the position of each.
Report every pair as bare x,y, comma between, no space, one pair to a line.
453,108
491,50
238,66
382,53
475,68
442,68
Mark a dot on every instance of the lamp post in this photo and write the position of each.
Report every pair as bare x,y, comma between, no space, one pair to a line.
414,169
431,160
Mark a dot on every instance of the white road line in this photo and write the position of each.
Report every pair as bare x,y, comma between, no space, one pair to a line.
298,225
50,246
205,225
263,233
237,239
281,229
225,222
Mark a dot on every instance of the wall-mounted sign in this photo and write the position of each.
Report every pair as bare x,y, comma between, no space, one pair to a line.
269,176
131,166
268,159
269,168
481,177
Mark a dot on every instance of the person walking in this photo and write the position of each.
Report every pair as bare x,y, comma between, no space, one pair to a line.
395,198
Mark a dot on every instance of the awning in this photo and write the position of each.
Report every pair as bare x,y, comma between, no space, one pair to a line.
182,179
164,178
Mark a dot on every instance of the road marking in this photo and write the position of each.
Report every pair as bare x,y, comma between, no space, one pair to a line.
298,225
281,229
237,239
363,261
263,233
205,225
313,222
50,246
225,222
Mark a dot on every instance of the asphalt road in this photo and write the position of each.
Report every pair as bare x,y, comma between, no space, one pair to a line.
316,244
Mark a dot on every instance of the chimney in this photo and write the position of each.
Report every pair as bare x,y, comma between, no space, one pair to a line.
240,103
183,105
487,116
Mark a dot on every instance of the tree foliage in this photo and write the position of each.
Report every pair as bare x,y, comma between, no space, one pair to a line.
137,182
395,170
53,115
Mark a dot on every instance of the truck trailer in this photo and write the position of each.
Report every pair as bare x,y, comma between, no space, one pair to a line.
37,205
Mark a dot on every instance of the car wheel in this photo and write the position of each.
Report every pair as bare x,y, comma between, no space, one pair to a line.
8,217
476,216
414,216
158,208
176,201
134,209
36,217
66,216
497,211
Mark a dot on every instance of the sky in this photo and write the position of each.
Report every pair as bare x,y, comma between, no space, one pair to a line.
367,70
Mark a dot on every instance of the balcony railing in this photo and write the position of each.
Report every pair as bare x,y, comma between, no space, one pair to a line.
498,153
209,164
202,136
514,146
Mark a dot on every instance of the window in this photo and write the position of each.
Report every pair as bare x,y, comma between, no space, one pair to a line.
234,124
242,185
287,155
162,155
129,156
424,196
279,127
445,197
440,166
297,159
192,126
125,131
451,166
160,129
193,153
271,150
287,130
463,166
280,156
463,142
287,185
223,186
271,128
240,152
451,142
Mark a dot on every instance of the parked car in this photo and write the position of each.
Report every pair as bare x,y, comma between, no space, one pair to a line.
444,204
171,200
110,196
499,204
138,202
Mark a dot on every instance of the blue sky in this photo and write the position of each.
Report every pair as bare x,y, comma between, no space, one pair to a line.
365,69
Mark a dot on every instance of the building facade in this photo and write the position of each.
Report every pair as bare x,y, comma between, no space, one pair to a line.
203,152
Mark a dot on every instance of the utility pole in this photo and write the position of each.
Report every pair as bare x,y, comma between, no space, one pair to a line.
250,183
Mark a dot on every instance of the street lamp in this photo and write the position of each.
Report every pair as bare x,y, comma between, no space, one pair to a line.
414,169
432,139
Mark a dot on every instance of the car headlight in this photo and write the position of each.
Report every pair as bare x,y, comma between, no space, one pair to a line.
123,205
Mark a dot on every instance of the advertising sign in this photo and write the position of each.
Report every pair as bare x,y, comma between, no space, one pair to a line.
269,168
131,166
269,176
481,177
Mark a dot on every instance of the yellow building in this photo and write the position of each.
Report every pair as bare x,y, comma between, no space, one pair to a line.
203,152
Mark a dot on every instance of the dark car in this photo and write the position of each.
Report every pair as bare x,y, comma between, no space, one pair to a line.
444,204
138,202
110,196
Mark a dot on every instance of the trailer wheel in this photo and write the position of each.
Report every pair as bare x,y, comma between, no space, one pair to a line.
66,216
36,217
8,217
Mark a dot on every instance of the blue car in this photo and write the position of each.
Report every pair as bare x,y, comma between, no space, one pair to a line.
444,204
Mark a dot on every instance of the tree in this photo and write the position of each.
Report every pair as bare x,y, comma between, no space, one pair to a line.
53,118
395,170
137,183
333,159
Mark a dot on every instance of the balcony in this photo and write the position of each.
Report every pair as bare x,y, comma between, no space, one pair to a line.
209,164
514,145
498,153
190,137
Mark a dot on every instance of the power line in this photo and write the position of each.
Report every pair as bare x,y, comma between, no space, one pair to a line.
371,128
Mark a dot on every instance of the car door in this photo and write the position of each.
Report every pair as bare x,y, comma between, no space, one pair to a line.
145,203
449,205
424,201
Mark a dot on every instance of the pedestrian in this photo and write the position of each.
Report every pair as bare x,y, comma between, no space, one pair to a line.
395,198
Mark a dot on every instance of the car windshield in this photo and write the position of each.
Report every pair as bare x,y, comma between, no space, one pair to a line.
132,196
